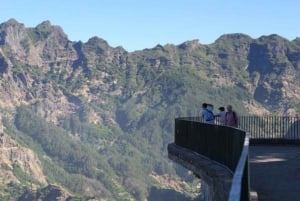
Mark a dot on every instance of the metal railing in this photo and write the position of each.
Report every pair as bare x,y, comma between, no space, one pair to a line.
269,129
220,143
223,144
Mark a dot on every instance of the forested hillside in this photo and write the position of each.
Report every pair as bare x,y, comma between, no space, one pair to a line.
85,121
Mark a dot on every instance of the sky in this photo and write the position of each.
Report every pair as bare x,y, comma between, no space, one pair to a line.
140,24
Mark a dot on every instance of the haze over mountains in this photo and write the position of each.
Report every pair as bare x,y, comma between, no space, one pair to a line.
94,121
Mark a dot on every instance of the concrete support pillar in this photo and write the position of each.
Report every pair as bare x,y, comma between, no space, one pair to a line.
206,191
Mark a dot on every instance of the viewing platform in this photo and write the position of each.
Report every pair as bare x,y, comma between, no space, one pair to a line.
236,165
275,172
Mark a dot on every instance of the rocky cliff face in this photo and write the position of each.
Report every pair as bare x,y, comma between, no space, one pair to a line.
12,155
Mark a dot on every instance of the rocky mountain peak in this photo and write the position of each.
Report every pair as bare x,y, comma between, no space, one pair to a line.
12,33
189,45
272,37
33,45
45,23
233,37
296,40
274,44
12,22
97,42
45,29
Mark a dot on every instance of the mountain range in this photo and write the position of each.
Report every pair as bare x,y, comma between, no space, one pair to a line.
87,121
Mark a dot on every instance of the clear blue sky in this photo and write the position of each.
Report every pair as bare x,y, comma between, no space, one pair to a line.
139,24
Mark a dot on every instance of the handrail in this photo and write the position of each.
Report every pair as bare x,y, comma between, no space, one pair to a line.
236,192
201,138
226,145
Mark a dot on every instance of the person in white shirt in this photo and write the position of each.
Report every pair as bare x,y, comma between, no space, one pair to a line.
221,115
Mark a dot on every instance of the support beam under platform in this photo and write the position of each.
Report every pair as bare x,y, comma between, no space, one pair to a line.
216,178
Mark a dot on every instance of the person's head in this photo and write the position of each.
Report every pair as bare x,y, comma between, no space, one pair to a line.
222,109
204,105
210,107
229,108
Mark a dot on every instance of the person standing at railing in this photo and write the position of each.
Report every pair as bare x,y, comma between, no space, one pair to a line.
231,118
221,115
207,113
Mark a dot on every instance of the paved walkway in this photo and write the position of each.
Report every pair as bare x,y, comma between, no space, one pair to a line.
275,172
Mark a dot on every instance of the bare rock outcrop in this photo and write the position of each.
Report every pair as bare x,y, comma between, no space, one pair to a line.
12,154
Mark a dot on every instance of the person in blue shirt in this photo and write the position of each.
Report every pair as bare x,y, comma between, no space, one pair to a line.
207,113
